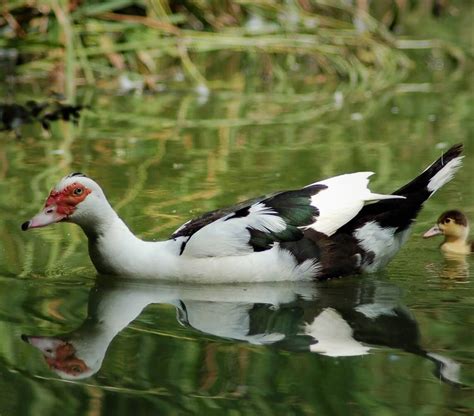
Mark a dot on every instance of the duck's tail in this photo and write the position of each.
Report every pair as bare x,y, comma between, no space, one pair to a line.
436,175
447,369
400,214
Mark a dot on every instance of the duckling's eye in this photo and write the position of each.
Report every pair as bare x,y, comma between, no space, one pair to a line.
78,191
447,221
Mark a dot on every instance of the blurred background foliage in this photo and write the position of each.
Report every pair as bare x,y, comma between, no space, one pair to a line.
222,44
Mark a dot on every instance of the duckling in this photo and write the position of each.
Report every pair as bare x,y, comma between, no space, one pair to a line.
454,225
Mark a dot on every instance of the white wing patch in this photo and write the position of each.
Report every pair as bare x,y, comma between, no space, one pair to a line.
334,336
342,200
229,236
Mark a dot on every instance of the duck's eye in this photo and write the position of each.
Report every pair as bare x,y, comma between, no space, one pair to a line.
78,191
76,369
447,221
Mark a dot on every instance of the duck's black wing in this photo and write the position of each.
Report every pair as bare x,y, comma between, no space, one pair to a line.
250,226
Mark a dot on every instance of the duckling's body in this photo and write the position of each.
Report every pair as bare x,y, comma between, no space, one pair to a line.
454,225
457,246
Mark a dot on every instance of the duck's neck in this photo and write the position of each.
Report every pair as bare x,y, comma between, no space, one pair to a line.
114,249
107,316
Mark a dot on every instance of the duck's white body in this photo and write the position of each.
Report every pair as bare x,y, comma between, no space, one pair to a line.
217,252
119,252
326,229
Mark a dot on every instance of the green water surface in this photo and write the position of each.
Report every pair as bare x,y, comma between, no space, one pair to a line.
237,350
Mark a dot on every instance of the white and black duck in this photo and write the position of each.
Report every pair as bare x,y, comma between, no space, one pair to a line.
329,228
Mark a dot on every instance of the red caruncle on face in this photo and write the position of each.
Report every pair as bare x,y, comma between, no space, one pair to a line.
67,199
65,360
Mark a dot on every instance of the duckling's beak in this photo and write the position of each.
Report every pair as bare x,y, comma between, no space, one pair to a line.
432,232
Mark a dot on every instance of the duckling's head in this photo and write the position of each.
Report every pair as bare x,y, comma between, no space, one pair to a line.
452,224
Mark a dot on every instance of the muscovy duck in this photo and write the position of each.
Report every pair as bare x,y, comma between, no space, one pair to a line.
454,225
330,228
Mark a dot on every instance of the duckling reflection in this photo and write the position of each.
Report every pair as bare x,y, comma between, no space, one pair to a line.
339,318
455,267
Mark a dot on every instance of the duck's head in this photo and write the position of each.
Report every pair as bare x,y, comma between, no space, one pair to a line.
452,224
62,357
76,198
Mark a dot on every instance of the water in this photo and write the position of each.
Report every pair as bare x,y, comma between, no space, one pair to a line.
398,342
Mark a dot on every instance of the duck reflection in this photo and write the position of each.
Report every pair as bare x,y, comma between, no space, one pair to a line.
337,318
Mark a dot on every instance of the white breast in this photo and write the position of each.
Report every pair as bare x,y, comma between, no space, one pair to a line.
383,242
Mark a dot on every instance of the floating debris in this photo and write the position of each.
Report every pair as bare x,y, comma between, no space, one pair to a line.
13,116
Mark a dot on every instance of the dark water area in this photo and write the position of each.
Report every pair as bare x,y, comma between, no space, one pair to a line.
397,342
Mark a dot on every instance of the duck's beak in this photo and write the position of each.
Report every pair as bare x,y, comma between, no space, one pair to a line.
432,232
48,216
